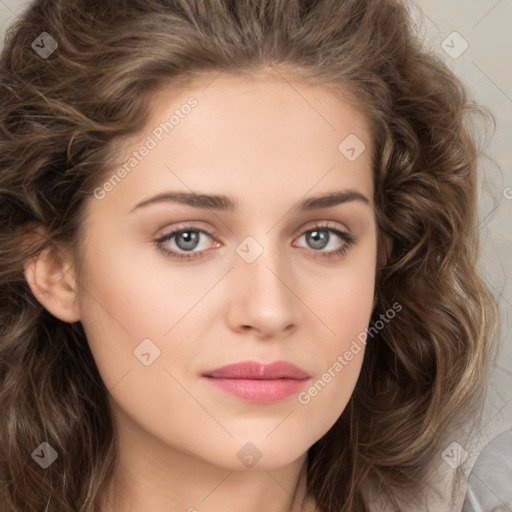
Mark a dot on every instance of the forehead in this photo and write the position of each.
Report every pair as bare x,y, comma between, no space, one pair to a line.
265,102
247,136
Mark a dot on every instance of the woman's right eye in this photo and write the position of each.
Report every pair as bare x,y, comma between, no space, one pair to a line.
185,239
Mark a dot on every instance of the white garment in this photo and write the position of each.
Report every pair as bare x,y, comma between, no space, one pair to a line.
454,486
490,481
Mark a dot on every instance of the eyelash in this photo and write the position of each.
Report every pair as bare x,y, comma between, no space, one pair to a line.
349,240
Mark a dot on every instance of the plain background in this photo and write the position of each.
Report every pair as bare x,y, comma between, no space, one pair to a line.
480,53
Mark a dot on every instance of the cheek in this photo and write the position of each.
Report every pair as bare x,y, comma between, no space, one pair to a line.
344,306
343,298
326,396
133,295
129,290
118,306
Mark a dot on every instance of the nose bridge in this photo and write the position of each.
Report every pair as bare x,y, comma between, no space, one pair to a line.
264,283
262,265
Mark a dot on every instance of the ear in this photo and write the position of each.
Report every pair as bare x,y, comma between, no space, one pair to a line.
51,278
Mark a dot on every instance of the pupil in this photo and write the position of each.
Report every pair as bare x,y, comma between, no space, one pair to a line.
319,239
190,240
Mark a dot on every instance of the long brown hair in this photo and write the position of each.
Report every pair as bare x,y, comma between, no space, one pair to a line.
64,114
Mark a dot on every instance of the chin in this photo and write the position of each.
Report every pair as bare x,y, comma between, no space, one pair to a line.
262,455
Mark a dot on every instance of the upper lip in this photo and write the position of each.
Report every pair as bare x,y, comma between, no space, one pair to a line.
255,370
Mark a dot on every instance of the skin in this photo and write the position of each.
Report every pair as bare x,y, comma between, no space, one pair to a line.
267,145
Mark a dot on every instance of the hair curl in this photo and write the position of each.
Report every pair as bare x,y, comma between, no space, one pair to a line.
62,120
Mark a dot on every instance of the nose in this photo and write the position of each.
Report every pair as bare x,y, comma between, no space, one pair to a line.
263,298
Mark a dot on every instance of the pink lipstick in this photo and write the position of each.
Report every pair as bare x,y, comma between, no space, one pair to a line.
257,382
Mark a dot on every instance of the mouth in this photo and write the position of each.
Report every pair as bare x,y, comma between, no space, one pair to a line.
257,382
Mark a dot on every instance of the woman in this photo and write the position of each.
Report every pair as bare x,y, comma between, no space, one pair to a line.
238,246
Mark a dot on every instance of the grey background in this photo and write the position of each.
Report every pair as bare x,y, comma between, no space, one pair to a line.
485,67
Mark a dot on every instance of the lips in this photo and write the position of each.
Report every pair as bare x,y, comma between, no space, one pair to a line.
259,371
257,382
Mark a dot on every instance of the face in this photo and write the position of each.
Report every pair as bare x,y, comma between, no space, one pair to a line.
177,286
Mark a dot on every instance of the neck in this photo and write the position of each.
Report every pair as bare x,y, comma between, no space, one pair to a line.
150,476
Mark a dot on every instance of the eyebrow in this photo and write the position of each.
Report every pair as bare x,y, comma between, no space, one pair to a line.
225,203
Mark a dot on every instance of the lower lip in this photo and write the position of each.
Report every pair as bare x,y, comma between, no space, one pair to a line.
261,391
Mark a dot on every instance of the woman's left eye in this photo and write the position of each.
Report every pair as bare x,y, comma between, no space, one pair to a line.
188,238
319,238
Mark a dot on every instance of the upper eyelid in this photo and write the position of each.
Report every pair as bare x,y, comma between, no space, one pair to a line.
197,226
